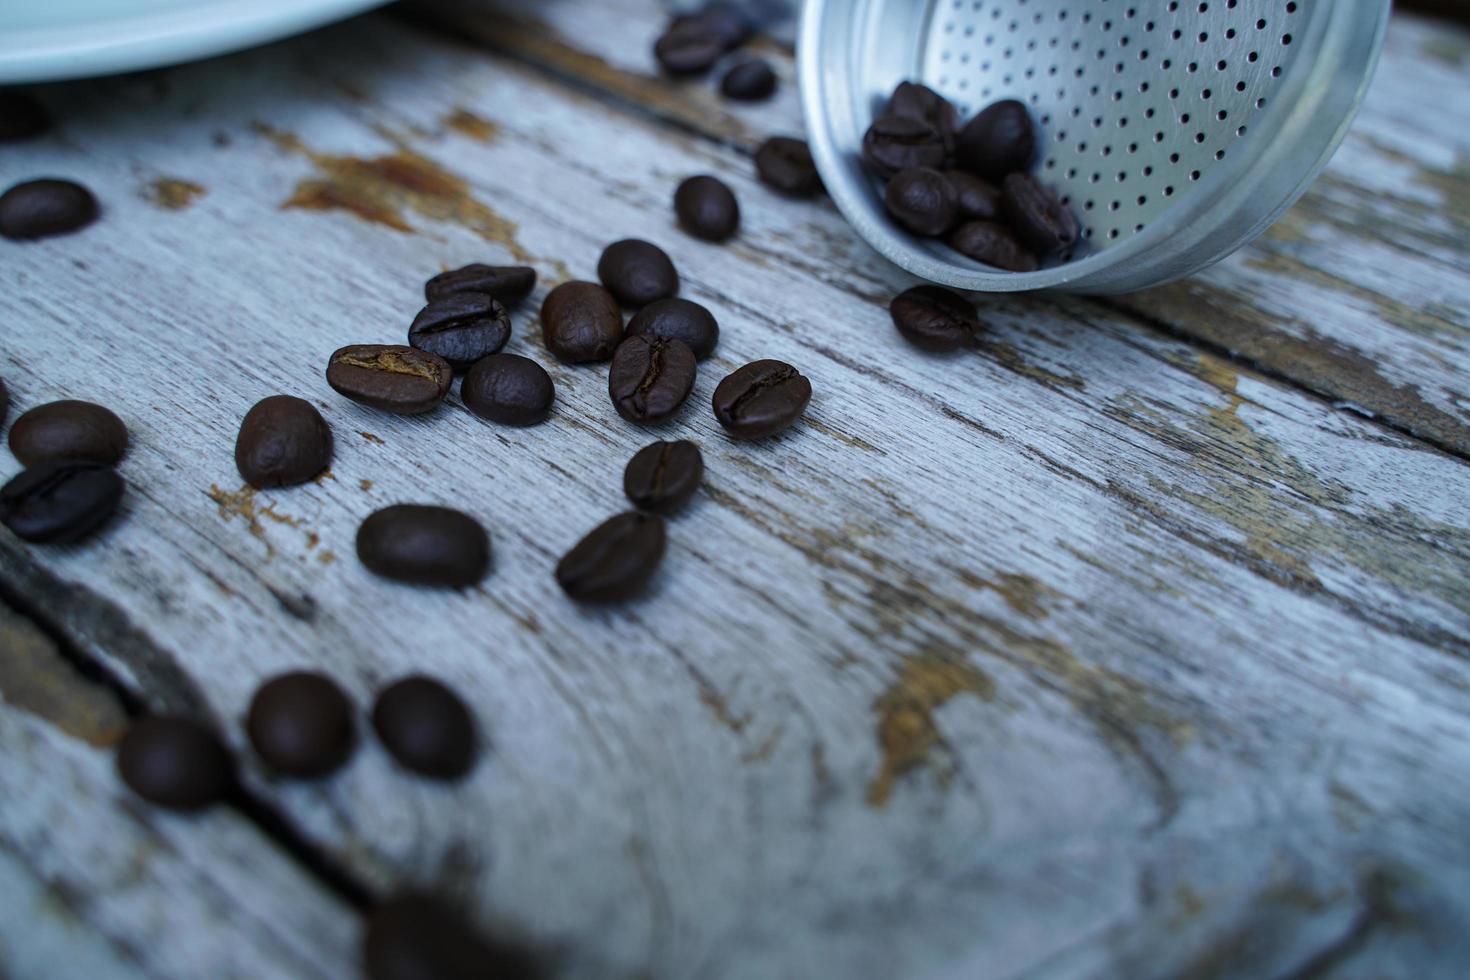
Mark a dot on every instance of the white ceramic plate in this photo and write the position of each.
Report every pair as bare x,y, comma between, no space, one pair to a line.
45,40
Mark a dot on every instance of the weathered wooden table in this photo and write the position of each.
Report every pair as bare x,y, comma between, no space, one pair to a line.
1135,643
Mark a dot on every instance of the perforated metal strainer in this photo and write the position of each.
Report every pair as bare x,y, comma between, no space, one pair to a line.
1175,131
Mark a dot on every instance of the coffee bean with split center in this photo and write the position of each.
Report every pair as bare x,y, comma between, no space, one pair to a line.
786,165
42,208
921,200
749,81
975,199
69,429
992,244
678,319
1036,215
707,208
650,378
581,322
175,762
426,727
934,318
509,284
662,476
923,103
1000,140
390,377
895,143
509,389
283,441
615,561
461,327
424,545
60,500
637,272
300,724
761,399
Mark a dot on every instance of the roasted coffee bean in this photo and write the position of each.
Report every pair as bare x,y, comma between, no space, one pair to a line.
1037,217
1000,140
510,284
301,724
786,164
650,378
975,199
424,545
60,500
390,377
580,322
426,727
934,318
688,48
678,319
993,244
707,208
283,441
22,116
637,272
921,200
68,430
923,103
662,476
749,81
417,937
175,762
615,561
41,208
509,389
895,143
461,328
761,399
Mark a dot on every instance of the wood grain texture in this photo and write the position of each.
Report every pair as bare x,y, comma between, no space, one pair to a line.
96,884
1080,653
1358,293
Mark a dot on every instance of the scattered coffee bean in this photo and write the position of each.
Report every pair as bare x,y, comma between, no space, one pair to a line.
920,102
993,244
615,561
688,48
749,81
707,208
301,724
637,272
581,322
60,500
1000,140
509,389
417,937
424,545
390,377
934,318
41,208
510,284
461,327
426,727
975,199
786,164
921,200
175,762
678,319
650,378
895,143
68,430
1036,216
22,116
662,476
283,441
761,399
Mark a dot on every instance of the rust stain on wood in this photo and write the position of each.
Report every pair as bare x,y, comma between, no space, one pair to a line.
466,123
381,189
715,702
375,440
365,484
907,731
762,752
326,556
172,193
242,503
35,679
1025,594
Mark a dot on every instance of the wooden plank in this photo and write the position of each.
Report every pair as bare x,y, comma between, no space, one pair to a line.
97,884
1019,659
1359,293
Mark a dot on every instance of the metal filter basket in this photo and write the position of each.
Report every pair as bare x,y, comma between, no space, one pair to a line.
1175,131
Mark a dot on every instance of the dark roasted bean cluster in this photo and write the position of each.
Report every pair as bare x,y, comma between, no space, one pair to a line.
694,43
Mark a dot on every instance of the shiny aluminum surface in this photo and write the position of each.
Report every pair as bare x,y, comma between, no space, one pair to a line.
1175,131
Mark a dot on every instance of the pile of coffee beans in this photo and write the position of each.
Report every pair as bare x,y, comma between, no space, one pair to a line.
694,43
70,487
970,184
